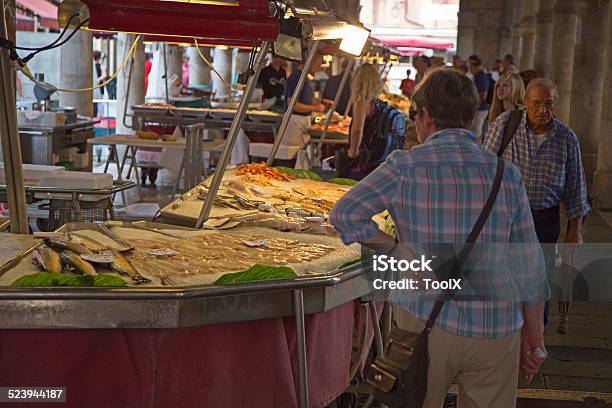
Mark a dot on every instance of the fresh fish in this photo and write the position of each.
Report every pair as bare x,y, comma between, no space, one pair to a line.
92,245
69,244
47,259
74,262
123,267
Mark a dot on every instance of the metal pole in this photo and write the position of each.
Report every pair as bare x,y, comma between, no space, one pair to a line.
298,309
343,82
291,106
9,139
378,340
166,73
232,136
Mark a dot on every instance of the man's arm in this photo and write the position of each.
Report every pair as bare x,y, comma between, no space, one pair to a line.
306,108
495,134
575,198
352,214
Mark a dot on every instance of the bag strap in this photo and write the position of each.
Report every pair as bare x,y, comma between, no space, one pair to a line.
510,129
482,219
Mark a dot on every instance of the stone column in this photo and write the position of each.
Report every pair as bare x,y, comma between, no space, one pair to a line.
466,30
602,180
135,94
76,72
240,62
589,74
517,31
486,41
528,24
199,71
223,64
544,37
562,65
174,55
505,34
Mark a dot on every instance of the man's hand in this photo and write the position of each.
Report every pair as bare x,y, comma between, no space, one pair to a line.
574,232
533,354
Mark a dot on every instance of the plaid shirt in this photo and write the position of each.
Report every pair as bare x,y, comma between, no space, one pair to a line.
434,193
553,173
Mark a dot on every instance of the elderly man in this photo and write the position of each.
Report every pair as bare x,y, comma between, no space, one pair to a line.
548,154
435,193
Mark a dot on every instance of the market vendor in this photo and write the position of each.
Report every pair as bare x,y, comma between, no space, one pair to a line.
306,104
272,81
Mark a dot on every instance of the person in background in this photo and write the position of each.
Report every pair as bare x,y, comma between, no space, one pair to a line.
147,70
508,65
306,104
407,85
528,76
482,81
435,193
331,89
272,81
457,62
185,71
496,70
508,94
548,154
100,75
421,64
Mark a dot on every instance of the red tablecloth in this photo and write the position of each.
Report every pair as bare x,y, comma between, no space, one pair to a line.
250,364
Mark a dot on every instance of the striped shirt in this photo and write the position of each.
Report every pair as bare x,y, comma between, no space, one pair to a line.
434,193
553,172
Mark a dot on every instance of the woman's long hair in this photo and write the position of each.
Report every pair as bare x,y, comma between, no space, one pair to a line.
517,96
366,84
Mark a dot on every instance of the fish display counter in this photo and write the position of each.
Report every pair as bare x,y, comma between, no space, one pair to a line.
162,306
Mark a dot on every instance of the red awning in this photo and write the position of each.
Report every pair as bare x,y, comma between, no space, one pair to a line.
44,10
247,20
414,42
24,23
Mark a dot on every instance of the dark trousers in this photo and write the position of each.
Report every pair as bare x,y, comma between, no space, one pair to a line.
548,226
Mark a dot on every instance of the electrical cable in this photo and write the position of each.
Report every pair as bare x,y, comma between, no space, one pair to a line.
129,55
54,42
47,48
197,47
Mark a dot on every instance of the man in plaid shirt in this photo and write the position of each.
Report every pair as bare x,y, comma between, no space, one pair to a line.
548,154
435,193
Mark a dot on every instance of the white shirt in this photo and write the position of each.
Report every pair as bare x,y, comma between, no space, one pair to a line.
540,138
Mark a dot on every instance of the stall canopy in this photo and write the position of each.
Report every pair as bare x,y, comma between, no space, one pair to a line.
230,20
415,42
25,23
44,10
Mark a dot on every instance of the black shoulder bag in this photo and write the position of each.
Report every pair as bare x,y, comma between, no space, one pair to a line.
510,129
399,377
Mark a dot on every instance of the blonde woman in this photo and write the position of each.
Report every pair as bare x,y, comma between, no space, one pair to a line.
365,88
508,94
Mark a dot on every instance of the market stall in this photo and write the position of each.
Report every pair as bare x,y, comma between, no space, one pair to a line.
179,317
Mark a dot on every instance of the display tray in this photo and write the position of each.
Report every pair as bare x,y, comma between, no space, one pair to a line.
304,195
325,286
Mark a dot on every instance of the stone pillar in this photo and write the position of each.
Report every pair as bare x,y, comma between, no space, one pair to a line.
544,37
562,65
136,93
505,34
486,41
466,30
199,71
589,75
174,55
517,31
602,180
76,72
528,24
240,62
223,64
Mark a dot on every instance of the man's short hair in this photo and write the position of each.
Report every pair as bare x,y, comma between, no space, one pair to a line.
477,60
509,58
97,55
449,96
542,83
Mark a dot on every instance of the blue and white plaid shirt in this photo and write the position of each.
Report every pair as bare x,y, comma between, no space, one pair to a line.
553,173
435,193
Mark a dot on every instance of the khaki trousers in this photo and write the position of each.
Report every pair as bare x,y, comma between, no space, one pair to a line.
486,369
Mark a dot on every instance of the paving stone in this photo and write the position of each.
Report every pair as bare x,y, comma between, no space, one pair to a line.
591,308
555,339
578,383
578,354
575,368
